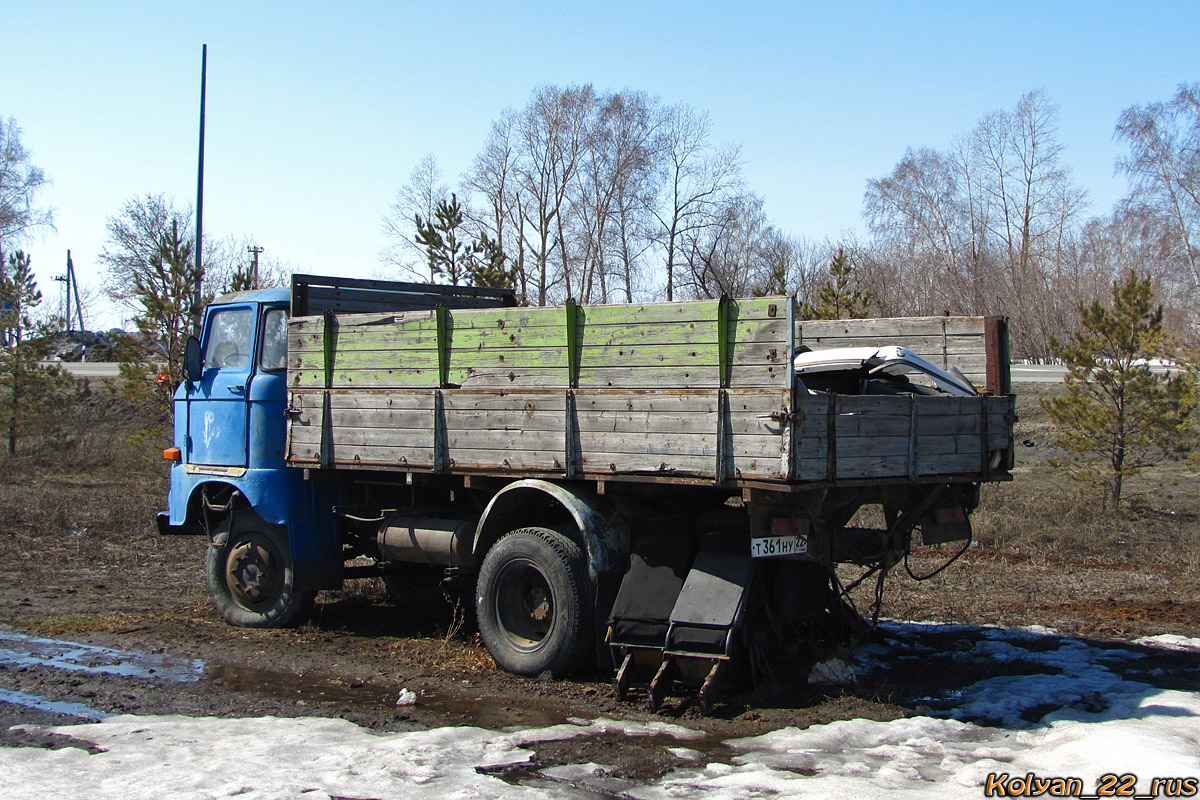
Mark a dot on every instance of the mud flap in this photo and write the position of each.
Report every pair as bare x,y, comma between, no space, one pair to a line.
641,613
942,525
704,624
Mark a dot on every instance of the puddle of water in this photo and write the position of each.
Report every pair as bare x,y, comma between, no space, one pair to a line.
54,707
465,710
21,650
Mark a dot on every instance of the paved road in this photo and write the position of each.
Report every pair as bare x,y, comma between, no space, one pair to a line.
1037,373
83,369
1049,373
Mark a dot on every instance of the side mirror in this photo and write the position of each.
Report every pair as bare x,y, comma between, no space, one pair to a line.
193,366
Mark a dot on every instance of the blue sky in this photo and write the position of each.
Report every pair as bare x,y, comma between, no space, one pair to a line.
318,112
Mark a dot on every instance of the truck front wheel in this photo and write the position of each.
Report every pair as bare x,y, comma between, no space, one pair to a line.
533,602
250,575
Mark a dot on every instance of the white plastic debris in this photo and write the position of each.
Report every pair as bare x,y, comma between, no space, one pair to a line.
407,698
833,671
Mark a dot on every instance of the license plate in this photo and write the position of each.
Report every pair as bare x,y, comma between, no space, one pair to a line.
769,546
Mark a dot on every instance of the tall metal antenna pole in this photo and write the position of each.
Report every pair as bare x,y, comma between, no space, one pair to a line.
200,193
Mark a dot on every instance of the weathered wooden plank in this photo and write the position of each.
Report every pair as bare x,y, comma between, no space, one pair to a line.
591,357
367,455
532,460
948,464
683,355
952,344
660,444
371,399
699,311
514,328
676,400
693,332
623,422
647,463
810,329
500,378
422,334
860,446
460,340
767,466
503,421
856,468
501,442
896,425
367,379
700,377
812,469
383,419
517,402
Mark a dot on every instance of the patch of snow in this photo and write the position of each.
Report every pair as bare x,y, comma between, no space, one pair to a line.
1087,721
1169,641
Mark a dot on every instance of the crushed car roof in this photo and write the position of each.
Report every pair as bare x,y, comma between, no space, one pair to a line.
891,360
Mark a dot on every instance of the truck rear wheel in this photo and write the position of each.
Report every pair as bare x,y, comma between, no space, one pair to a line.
250,575
533,602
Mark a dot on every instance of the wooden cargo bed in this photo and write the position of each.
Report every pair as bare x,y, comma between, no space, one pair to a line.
695,392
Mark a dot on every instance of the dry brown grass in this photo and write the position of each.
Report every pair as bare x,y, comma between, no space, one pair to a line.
1044,516
1045,552
77,517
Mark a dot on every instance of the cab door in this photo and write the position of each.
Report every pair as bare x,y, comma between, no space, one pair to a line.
218,409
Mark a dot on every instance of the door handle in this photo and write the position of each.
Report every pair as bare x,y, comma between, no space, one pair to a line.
238,389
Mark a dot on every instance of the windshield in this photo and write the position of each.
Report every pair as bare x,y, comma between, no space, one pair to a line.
230,338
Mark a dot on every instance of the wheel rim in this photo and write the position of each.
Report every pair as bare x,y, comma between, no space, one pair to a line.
253,574
524,605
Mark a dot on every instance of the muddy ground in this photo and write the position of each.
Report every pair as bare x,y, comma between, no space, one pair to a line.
80,562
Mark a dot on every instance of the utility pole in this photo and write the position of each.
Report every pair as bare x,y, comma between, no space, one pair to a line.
71,288
254,250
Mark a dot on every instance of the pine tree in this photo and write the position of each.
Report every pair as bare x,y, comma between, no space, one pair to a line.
152,362
839,298
440,237
1118,416
486,268
479,263
23,343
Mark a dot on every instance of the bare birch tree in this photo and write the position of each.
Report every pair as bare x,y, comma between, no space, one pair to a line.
20,185
1163,166
420,195
697,179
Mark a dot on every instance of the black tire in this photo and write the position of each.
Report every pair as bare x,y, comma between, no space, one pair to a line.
533,602
250,577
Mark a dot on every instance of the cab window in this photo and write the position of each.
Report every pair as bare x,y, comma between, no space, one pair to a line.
230,338
274,343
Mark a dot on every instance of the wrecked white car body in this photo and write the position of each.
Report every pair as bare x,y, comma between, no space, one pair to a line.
877,370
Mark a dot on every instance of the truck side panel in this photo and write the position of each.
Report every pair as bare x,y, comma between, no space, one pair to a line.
681,391
553,391
906,437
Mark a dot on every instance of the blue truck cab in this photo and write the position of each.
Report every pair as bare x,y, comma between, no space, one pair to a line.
275,534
